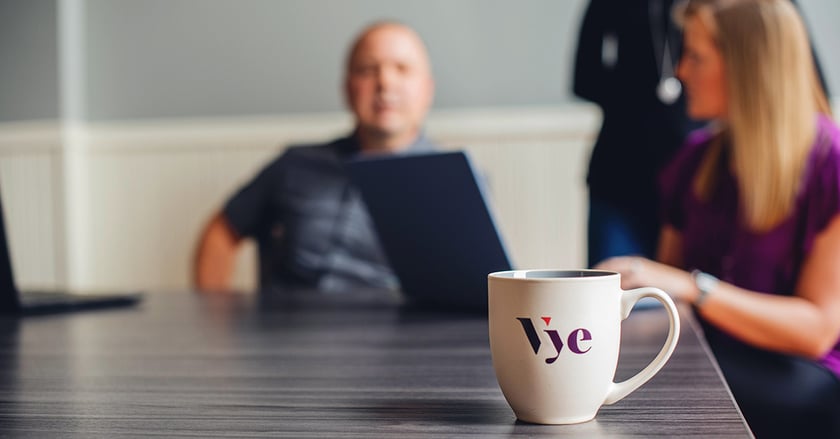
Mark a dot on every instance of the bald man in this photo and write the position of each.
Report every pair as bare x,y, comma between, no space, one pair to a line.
310,223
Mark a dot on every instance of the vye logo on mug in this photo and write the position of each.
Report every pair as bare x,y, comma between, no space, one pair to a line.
573,341
571,372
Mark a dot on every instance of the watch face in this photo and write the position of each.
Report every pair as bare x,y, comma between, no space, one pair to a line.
705,282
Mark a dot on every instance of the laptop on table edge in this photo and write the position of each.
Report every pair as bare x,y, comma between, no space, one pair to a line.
15,301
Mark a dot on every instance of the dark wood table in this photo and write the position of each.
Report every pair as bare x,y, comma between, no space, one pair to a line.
311,365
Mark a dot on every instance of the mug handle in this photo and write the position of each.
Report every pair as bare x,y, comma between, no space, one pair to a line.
629,298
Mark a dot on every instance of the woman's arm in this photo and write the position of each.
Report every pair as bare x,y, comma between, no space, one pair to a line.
806,324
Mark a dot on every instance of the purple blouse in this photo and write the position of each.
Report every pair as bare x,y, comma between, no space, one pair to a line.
715,239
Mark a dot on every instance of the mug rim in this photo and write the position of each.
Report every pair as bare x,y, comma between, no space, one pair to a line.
586,275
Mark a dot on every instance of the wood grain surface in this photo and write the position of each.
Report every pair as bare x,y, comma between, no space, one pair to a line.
309,365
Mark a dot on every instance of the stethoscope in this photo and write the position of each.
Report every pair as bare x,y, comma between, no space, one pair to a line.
668,87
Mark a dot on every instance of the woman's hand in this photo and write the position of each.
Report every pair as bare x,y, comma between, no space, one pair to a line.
638,272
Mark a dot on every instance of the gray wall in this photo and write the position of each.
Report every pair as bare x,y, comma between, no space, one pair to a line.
196,58
165,58
28,60
823,20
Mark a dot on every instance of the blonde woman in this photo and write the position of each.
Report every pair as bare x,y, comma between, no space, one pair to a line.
752,215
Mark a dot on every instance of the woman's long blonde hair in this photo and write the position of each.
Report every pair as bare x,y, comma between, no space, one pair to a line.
774,96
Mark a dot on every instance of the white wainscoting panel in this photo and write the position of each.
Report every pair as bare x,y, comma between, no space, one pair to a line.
153,185
30,185
538,194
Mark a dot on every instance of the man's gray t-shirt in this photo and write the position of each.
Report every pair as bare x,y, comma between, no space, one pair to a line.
311,225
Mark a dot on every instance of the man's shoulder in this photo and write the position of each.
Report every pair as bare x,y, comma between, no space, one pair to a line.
344,147
300,153
339,148
315,150
423,144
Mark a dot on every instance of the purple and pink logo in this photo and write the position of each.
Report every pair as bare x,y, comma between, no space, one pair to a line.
577,340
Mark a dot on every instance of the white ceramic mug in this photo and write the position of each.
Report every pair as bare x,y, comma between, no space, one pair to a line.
555,335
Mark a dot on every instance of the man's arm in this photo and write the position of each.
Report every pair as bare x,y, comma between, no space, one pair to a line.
215,257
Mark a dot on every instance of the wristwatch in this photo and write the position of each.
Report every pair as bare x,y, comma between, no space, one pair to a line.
704,282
